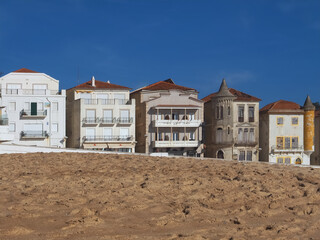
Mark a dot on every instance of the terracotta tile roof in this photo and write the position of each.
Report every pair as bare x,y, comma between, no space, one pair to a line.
281,105
165,85
100,85
25,70
241,96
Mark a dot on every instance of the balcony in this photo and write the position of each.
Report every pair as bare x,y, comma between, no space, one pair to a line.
177,123
121,138
27,114
37,92
107,120
3,121
246,143
34,134
284,149
106,101
176,144
125,120
90,120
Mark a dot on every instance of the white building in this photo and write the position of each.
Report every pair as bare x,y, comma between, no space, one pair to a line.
34,108
100,116
286,136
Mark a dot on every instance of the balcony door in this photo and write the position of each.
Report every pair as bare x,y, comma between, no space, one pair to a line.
124,115
34,109
90,133
107,115
91,115
107,133
124,133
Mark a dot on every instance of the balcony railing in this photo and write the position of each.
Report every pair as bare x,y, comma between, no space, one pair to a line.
177,123
122,120
247,142
275,148
34,134
174,144
107,120
120,138
106,101
3,121
33,114
90,120
30,92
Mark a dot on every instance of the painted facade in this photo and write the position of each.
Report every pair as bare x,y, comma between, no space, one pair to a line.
231,125
34,108
287,132
100,116
169,119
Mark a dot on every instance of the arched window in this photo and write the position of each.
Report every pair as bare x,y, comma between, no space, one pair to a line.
298,161
228,130
220,154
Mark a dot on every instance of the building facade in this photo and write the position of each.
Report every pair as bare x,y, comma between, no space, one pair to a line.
287,132
35,108
231,125
5,135
315,156
169,119
100,116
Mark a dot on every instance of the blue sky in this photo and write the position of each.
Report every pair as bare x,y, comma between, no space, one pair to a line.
266,48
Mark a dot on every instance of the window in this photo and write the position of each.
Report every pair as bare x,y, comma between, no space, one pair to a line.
159,137
191,116
219,135
287,160
251,135
33,127
217,112
40,106
249,155
13,88
12,106
54,127
124,116
221,112
245,135
107,133
228,130
279,142
192,136
175,136
158,116
242,155
85,95
251,114
90,133
294,143
294,121
102,96
39,89
279,121
55,106
287,142
240,113
240,135
280,160
175,116
90,116
229,111
12,127
220,154
26,106
124,133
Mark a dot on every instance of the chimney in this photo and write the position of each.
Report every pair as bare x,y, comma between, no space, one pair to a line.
108,81
93,81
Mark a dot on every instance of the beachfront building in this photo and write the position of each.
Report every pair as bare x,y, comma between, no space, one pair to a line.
169,119
5,135
287,132
231,125
34,108
100,117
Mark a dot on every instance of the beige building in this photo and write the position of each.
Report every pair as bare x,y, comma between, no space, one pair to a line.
315,157
231,125
100,116
169,119
287,132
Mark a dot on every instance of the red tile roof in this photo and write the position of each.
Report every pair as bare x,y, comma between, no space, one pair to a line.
25,70
100,85
241,96
165,85
281,105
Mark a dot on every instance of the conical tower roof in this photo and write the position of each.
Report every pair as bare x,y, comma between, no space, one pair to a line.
224,90
308,106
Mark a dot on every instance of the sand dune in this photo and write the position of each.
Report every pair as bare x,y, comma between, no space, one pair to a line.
94,196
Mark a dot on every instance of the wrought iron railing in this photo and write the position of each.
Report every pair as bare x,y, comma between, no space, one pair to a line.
107,138
34,134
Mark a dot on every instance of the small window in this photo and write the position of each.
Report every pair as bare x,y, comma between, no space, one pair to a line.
221,112
249,155
294,121
294,143
280,160
287,160
12,127
219,135
54,127
228,130
55,106
217,112
12,106
242,155
279,120
229,111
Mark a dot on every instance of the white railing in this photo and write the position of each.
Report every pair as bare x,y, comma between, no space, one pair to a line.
106,101
177,123
287,149
159,144
28,92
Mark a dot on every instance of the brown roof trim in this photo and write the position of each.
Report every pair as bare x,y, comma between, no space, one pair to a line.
25,70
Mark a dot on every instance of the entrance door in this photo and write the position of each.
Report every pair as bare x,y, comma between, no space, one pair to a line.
220,154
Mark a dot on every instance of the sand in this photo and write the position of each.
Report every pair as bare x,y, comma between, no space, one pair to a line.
99,196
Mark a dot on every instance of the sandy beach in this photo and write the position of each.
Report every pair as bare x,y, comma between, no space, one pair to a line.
100,196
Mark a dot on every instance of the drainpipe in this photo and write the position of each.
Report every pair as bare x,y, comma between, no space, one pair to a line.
49,123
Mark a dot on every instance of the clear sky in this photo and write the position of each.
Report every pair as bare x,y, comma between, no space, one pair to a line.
267,48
